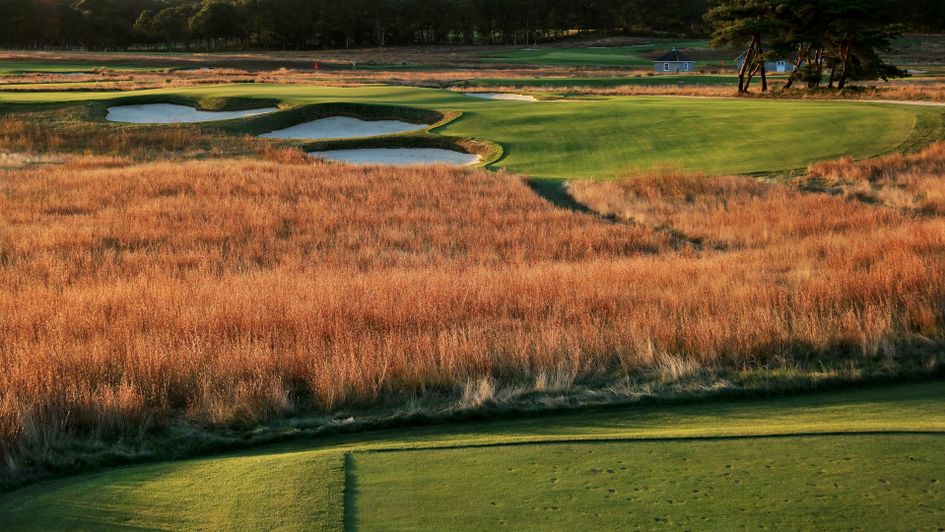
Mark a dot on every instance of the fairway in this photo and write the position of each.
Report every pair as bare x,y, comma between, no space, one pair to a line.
824,459
611,56
609,137
609,82
8,67
785,483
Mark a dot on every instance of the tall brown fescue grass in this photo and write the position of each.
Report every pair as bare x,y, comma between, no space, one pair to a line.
223,293
912,181
62,132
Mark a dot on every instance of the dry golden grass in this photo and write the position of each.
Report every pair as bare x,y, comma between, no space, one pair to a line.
728,212
227,292
68,132
910,181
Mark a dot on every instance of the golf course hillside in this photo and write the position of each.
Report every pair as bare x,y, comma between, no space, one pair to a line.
822,460
596,137
429,265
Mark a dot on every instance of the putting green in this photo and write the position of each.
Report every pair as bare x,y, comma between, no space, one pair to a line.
607,137
867,458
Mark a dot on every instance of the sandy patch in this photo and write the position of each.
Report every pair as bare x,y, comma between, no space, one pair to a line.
502,96
342,127
399,156
169,113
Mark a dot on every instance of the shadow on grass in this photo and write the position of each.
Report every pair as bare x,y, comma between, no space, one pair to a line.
555,192
351,492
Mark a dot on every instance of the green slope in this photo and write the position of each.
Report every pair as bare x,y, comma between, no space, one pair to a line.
611,136
811,461
301,491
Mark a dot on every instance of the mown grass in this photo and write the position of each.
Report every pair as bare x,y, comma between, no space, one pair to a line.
302,491
9,67
604,82
871,482
690,465
625,56
604,138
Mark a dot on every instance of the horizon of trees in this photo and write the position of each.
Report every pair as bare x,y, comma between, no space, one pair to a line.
311,24
314,24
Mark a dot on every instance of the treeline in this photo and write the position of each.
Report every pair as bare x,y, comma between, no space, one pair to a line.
309,24
829,42
302,24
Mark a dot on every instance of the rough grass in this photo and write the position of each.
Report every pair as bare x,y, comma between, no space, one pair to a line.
227,293
906,181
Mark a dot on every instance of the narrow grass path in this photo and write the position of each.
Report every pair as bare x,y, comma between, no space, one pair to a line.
608,137
878,444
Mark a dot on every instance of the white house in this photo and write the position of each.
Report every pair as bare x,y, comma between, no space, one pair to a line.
773,65
674,62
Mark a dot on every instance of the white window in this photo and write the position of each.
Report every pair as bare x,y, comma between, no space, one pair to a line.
665,67
685,67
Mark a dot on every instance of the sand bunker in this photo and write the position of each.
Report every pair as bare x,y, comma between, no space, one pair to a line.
399,156
342,127
168,113
502,96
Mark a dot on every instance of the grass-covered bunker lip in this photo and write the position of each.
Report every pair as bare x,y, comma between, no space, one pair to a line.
99,109
488,151
291,116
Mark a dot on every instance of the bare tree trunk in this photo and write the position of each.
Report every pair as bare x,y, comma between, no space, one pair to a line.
751,74
797,66
746,65
845,57
833,73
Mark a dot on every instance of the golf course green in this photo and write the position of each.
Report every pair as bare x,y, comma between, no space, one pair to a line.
609,137
823,460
